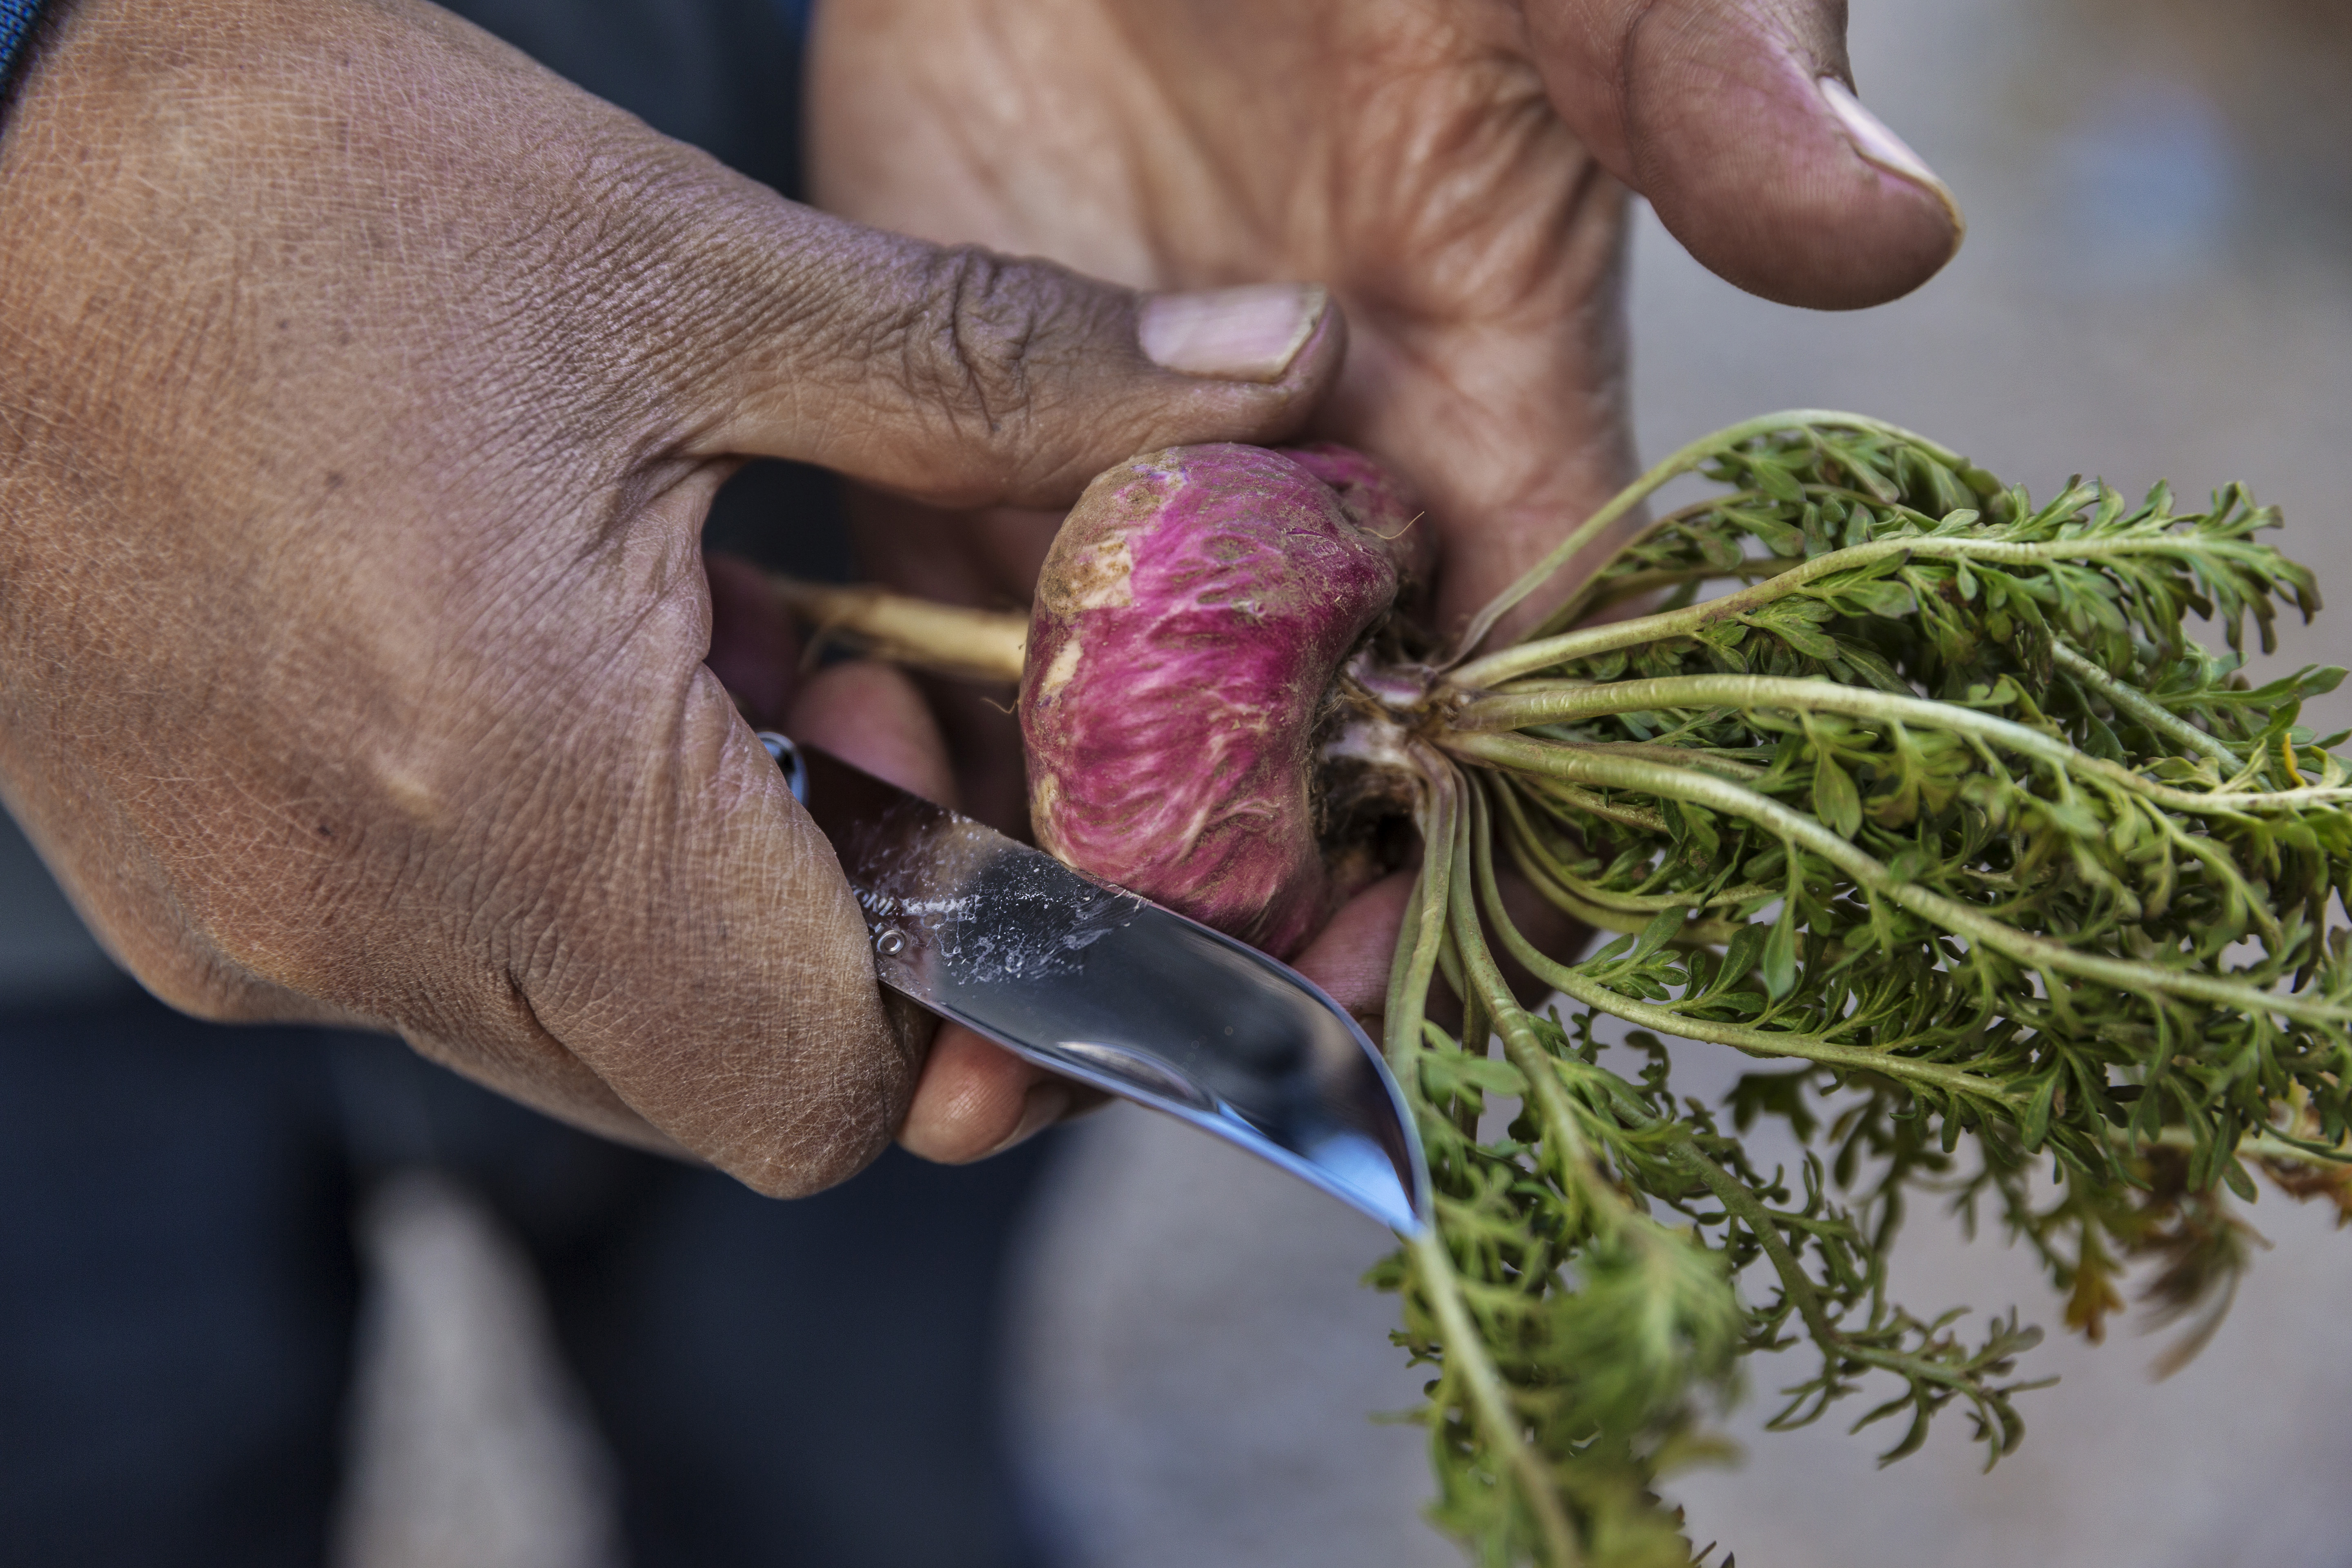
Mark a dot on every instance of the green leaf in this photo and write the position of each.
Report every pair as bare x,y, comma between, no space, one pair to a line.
2035,1127
1805,639
1447,1073
1779,536
2239,1181
1891,601
1739,955
1777,481
1657,933
1781,956
1717,550
1835,800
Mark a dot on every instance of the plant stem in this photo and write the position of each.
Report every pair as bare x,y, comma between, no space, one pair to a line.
2251,1145
1523,658
2156,716
1465,1350
1622,505
1564,1141
1788,1044
1606,909
1514,712
1522,755
1490,1403
1423,935
947,639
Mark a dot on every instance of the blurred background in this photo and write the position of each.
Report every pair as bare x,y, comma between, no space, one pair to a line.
2158,282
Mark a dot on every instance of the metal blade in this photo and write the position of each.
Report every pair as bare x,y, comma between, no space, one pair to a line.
1100,985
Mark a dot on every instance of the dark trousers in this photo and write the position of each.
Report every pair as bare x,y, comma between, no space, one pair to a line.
780,1384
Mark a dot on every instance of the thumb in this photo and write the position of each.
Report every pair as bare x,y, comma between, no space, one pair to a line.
1740,125
964,378
974,1097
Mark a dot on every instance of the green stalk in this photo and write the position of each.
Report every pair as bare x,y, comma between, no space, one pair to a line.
1466,1351
1750,693
1788,1044
1521,755
2155,715
1604,909
1626,501
1528,656
1565,1143
2252,1145
1423,933
1466,1357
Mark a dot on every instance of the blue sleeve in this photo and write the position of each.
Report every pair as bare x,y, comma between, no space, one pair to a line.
16,26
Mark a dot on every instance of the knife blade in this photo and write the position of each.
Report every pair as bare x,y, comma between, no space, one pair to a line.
1098,985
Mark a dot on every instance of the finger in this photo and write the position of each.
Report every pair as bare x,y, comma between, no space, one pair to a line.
974,1098
754,651
1739,123
1350,959
788,1065
965,378
977,1099
654,904
873,717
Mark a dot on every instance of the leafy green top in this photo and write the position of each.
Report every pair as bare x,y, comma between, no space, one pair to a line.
1938,808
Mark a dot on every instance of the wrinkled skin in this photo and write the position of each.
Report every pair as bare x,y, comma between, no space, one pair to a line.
362,389
1454,169
1188,621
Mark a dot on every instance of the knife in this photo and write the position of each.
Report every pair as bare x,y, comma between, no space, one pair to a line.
1093,983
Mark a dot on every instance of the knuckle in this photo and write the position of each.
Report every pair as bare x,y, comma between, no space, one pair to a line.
985,340
803,1166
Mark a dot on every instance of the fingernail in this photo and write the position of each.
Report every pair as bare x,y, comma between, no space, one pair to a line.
1879,145
1251,333
1042,1107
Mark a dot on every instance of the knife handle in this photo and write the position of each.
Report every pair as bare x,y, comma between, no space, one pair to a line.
788,757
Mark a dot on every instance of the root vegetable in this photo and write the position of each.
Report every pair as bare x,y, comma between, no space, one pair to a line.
1934,812
1189,619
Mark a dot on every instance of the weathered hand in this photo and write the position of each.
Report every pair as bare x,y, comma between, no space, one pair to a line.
1453,170
362,388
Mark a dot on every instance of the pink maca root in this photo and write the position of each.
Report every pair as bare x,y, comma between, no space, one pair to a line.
1376,503
1191,616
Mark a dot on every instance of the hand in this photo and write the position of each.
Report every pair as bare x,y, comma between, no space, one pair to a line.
362,388
1453,170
